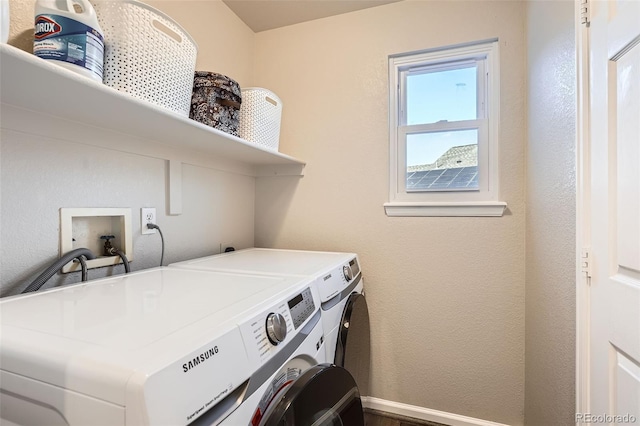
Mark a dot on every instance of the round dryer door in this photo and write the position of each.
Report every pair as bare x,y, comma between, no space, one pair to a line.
353,349
324,395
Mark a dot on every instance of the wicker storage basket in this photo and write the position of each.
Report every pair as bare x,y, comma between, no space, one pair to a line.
147,54
260,116
216,101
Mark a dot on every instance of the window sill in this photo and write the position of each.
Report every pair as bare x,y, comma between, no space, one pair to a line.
446,209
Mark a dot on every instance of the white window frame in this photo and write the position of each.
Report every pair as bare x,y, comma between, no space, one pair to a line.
453,202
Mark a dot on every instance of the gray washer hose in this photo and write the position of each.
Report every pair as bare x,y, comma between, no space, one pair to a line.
51,270
124,259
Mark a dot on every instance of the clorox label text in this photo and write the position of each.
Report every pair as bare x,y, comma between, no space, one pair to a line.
46,27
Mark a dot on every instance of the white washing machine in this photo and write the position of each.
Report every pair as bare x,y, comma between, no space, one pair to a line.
338,278
158,347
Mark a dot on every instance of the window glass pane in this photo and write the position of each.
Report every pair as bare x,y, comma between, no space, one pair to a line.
442,160
437,94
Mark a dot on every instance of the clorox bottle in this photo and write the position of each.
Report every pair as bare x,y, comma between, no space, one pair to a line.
67,32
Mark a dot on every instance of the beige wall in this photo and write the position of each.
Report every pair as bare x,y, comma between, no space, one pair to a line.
551,215
446,295
41,174
22,15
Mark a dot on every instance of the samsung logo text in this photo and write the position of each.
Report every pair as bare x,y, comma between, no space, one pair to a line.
204,356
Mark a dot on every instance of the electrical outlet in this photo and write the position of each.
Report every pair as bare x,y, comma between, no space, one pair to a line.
147,215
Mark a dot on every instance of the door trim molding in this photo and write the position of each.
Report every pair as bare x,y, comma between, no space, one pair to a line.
583,213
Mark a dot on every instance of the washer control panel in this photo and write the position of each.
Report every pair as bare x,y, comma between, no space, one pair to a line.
276,328
271,329
301,307
333,282
354,267
348,274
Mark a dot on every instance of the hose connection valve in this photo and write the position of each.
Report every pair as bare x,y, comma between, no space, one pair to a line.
109,250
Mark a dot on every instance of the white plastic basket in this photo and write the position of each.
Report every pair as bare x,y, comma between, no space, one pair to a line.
147,54
260,114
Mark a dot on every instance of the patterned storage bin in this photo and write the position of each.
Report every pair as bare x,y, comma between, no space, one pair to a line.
147,54
260,117
216,101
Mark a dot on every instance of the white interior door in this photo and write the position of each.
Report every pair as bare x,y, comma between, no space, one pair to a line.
615,211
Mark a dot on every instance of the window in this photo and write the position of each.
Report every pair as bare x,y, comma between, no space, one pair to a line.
444,132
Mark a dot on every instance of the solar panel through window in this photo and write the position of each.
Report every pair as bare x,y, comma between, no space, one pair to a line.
460,177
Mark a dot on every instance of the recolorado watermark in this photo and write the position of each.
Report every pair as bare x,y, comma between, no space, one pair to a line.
606,418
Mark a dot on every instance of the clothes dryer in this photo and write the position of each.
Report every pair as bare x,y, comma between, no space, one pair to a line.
161,346
340,284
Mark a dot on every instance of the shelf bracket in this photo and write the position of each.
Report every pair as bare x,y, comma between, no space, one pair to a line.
175,187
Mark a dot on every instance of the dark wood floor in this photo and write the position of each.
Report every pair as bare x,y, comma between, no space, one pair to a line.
380,418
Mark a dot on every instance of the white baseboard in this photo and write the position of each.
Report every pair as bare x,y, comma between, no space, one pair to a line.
424,413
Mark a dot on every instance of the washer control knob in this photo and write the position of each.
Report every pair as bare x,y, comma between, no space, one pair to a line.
348,274
276,328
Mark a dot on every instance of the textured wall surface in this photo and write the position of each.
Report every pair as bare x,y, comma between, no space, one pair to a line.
446,295
551,215
22,15
39,175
